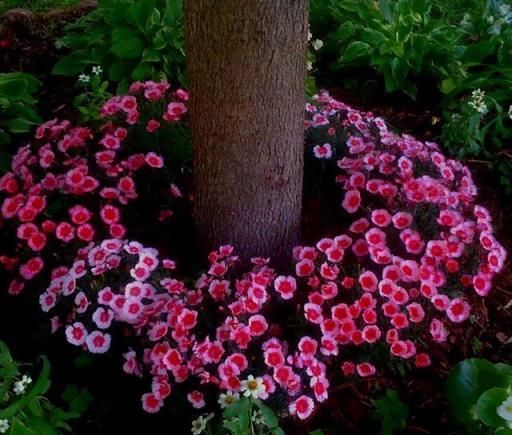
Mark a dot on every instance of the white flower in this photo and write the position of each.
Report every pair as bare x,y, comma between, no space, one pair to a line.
510,111
4,425
227,399
26,380
257,417
505,409
310,65
19,388
253,387
477,101
309,36
84,78
318,44
199,424
97,70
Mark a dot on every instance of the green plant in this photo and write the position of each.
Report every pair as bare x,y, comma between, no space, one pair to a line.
248,416
478,112
93,96
392,411
400,39
480,396
24,410
129,39
17,104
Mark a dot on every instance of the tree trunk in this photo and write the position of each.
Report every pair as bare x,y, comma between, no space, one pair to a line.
247,67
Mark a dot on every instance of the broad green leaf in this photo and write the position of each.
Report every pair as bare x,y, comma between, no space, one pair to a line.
505,370
464,385
126,44
72,64
269,415
355,50
237,408
143,70
139,12
487,404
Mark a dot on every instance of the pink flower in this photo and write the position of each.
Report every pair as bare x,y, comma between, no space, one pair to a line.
365,369
76,333
98,342
458,310
323,151
154,160
196,398
285,286
302,407
151,403
352,201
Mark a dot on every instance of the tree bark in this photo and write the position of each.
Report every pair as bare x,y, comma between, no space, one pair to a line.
246,68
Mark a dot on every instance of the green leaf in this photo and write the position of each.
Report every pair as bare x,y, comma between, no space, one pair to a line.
18,428
126,44
478,52
72,64
386,8
464,385
268,415
139,12
16,125
142,71
40,426
505,370
237,408
355,50
173,13
40,387
487,404
392,411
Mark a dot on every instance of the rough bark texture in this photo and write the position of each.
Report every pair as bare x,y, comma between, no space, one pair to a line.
247,66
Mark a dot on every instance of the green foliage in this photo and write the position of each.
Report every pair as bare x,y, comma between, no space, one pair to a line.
475,390
400,39
484,133
93,96
392,411
248,416
130,40
24,409
17,104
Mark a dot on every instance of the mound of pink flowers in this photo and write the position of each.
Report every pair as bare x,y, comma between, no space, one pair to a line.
417,253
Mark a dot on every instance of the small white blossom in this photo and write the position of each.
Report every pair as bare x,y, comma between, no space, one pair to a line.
253,387
26,380
477,101
310,65
19,388
84,78
510,111
199,424
4,425
97,70
505,409
227,399
310,35
257,417
318,44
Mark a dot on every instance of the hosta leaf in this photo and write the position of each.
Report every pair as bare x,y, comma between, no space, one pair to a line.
487,404
467,381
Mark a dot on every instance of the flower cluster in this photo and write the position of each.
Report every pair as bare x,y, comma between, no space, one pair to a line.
71,186
208,334
416,252
415,255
